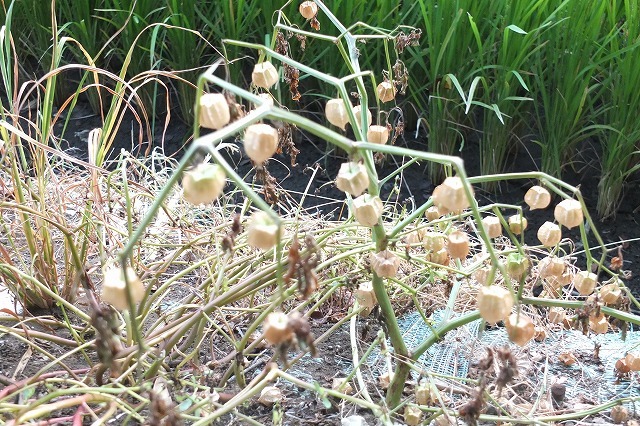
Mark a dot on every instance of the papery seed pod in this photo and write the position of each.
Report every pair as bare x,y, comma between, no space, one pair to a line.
276,328
340,384
621,366
367,209
585,282
482,275
549,234
336,113
551,266
385,379
308,9
432,213
451,195
517,224
599,325
214,111
262,231
434,241
567,358
517,266
633,362
264,75
494,303
458,245
378,134
540,334
386,91
114,287
619,414
260,142
416,237
440,257
203,184
537,197
610,293
520,328
385,264
352,178
425,394
412,415
569,213
365,295
270,395
268,99
493,226
357,112
556,315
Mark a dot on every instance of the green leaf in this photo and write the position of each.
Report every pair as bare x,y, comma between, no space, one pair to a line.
516,29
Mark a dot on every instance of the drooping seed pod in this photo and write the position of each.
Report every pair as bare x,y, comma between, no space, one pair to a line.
451,195
567,358
214,111
633,361
308,9
386,91
385,263
610,293
599,325
537,197
585,282
260,142
378,134
357,112
551,266
434,241
493,226
412,415
517,266
549,234
352,178
367,209
621,366
556,315
494,303
432,213
569,213
336,113
482,275
425,394
340,384
416,237
268,99
458,244
276,328
520,328
440,257
517,224
203,184
540,334
270,395
262,231
114,287
264,75
365,295
619,414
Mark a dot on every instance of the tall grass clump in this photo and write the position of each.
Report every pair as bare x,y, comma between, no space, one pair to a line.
568,83
619,140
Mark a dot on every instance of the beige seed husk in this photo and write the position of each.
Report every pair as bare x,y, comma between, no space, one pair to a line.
537,197
214,111
386,91
264,75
